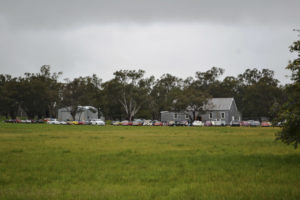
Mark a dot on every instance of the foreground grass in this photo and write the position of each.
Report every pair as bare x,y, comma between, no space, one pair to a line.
89,162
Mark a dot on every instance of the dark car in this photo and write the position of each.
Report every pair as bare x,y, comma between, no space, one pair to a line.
184,123
235,123
40,121
10,121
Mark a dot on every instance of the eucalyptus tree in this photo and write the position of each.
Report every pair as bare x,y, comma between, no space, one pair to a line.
290,111
209,81
164,93
192,101
132,90
9,96
258,91
39,93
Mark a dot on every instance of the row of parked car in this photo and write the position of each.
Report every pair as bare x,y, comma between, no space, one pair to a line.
89,122
55,121
26,121
142,122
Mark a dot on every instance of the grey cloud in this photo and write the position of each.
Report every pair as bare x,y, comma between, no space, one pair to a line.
160,36
45,14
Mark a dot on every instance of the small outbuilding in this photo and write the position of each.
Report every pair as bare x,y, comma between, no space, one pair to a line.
84,113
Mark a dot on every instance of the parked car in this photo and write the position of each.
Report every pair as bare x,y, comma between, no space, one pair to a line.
69,122
157,123
46,119
26,121
197,123
137,122
115,123
254,123
171,123
88,122
80,123
244,123
12,121
208,123
235,123
165,123
147,123
63,123
40,121
84,123
266,124
280,124
218,123
125,123
53,121
183,123
97,122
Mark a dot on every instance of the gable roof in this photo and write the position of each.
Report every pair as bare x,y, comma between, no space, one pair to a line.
80,108
219,104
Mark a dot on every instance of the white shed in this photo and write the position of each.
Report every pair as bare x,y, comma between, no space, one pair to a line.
84,113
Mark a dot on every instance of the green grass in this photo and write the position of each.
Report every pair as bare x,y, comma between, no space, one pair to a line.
39,161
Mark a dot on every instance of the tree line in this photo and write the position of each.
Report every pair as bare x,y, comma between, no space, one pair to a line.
132,95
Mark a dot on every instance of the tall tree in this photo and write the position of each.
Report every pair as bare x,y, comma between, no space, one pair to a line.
9,96
134,90
209,81
290,111
257,92
164,93
40,93
192,101
111,105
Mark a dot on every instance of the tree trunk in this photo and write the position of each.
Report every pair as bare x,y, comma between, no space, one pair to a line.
99,113
73,114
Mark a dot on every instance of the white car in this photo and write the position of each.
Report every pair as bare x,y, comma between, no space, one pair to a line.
63,122
53,121
97,122
197,123
147,123
218,123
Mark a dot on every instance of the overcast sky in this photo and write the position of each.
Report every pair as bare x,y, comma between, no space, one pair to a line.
179,37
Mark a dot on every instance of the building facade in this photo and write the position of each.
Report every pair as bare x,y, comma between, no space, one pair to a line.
224,109
85,113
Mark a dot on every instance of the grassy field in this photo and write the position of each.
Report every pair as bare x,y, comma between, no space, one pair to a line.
39,161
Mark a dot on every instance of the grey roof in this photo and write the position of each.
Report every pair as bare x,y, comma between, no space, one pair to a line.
87,108
82,108
219,104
